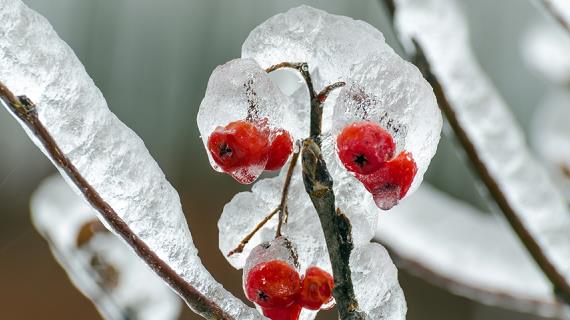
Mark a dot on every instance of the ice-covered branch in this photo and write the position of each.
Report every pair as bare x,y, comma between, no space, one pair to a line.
23,108
105,161
434,36
560,10
336,227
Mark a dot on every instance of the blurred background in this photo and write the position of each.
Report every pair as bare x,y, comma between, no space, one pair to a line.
152,61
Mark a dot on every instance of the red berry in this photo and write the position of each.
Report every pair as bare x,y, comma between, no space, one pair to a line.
316,288
272,284
392,181
291,312
364,146
280,149
240,149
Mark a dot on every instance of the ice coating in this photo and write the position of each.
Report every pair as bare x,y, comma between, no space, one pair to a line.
340,48
391,92
467,251
439,27
561,9
59,214
550,136
110,156
277,249
546,49
237,90
376,286
303,229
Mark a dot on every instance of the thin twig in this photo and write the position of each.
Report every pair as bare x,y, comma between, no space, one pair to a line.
281,208
24,109
324,94
561,286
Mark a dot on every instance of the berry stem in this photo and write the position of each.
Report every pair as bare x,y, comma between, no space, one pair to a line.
26,111
281,208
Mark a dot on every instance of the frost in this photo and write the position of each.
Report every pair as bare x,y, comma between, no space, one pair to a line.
104,269
440,29
467,251
111,157
376,284
550,136
547,50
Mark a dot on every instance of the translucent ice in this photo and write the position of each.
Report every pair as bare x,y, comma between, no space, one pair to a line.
440,30
546,49
550,136
238,90
101,266
339,48
473,254
376,286
110,156
561,9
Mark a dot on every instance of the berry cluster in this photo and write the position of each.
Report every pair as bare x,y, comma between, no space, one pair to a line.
281,293
368,150
244,149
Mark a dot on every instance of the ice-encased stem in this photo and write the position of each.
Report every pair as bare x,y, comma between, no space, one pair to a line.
495,185
553,7
25,110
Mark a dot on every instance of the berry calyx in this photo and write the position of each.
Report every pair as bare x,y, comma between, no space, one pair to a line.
273,284
280,149
364,146
239,149
316,288
291,312
392,181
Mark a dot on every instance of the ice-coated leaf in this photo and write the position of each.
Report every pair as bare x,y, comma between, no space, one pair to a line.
547,50
376,286
238,90
98,263
110,156
550,136
440,30
381,86
472,253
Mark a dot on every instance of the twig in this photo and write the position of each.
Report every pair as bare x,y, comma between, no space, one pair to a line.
24,109
281,208
557,15
561,286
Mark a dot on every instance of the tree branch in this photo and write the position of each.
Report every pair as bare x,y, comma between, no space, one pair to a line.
561,286
25,110
336,227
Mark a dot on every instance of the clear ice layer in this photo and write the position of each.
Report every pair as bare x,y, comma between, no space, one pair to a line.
440,29
381,86
467,251
110,156
133,292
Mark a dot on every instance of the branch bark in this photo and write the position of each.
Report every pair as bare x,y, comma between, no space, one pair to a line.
561,286
26,111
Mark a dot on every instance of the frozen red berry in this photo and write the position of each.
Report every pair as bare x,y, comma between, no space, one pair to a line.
273,284
280,149
316,288
291,312
364,146
240,149
392,181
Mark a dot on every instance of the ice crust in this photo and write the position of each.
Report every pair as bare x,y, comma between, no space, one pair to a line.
550,136
340,48
546,49
111,157
58,214
441,31
467,251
